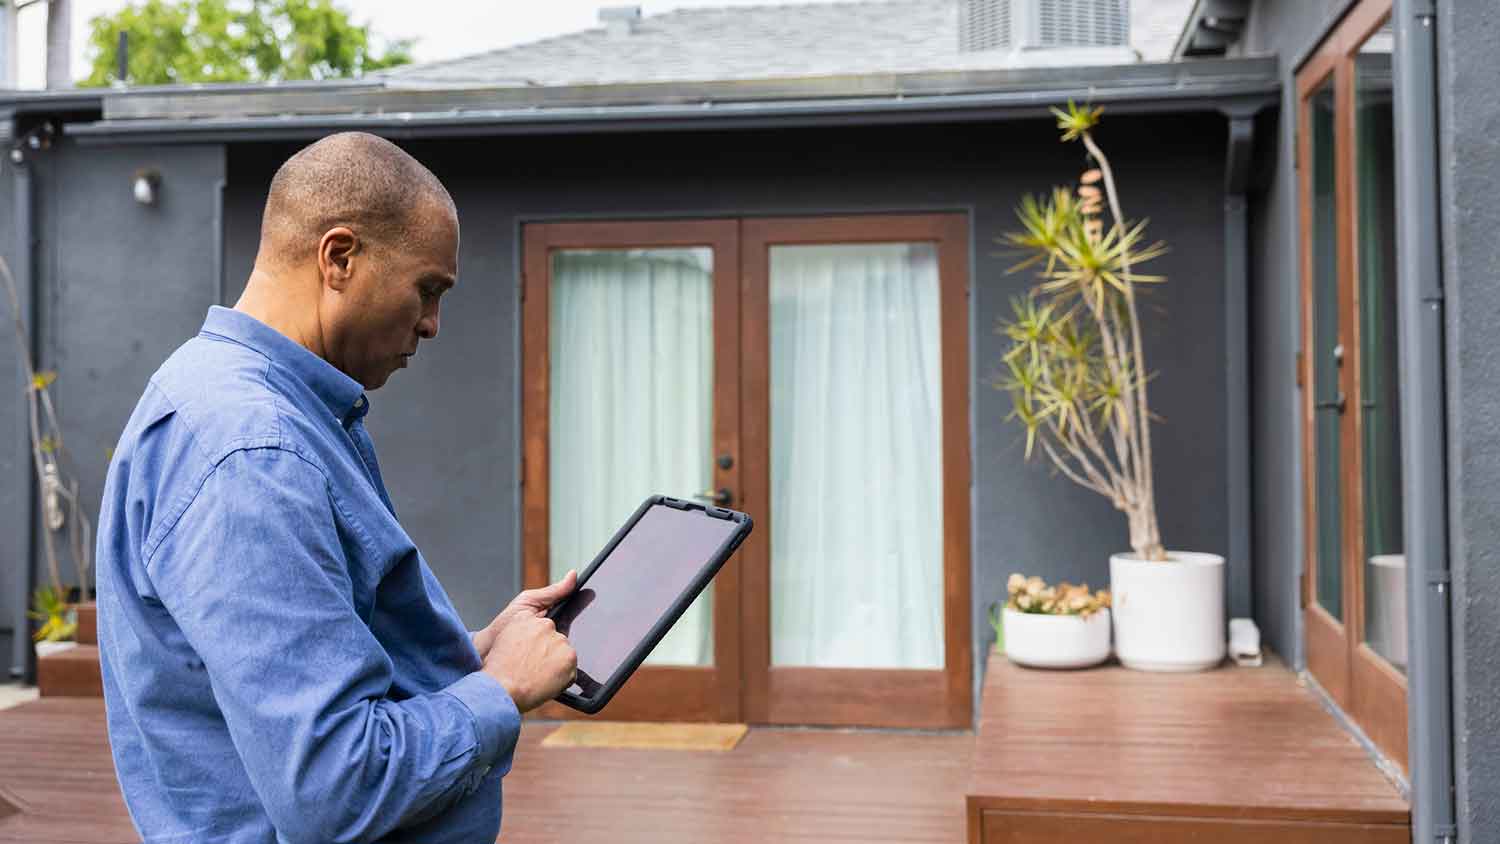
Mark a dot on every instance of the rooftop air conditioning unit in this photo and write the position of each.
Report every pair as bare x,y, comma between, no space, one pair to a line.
1016,25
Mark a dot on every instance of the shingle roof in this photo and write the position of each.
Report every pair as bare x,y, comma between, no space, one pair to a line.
757,42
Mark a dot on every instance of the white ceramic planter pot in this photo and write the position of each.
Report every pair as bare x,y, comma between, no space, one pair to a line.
1169,616
1056,641
1385,627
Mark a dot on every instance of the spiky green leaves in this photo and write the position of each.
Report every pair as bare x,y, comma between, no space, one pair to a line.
1056,372
1076,120
1067,381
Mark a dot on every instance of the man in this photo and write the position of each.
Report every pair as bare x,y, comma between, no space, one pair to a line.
279,663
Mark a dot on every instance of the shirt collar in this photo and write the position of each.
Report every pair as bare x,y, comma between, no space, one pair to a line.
344,396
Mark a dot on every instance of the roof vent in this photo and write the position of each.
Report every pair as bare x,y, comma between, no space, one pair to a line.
984,25
620,21
1041,24
1083,23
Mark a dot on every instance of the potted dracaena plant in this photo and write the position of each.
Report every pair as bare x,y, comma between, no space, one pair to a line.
1077,379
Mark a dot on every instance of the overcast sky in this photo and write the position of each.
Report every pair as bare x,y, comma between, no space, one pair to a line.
443,28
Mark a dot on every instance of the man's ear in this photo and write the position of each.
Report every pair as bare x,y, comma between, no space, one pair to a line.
336,254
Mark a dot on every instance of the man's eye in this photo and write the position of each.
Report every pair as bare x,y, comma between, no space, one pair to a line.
430,293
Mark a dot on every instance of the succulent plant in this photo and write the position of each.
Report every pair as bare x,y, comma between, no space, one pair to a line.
1033,595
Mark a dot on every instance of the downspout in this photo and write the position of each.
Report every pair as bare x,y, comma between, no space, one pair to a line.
221,296
1423,422
1237,355
23,655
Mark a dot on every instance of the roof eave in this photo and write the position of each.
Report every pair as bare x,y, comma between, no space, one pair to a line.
964,95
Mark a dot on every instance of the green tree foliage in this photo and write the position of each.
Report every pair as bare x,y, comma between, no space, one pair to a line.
181,41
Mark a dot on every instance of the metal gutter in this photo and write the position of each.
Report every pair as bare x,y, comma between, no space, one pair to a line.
397,97
92,99
50,102
1256,85
1423,421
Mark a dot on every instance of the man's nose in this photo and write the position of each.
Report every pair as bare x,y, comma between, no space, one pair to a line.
427,327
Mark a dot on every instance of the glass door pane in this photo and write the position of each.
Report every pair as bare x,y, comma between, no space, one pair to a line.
1327,354
631,404
856,456
1379,405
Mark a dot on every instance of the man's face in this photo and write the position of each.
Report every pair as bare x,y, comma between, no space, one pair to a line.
392,297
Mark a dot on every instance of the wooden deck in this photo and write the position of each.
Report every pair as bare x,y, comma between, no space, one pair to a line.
1228,756
778,785
1107,755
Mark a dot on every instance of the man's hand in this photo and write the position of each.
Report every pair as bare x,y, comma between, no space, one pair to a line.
522,649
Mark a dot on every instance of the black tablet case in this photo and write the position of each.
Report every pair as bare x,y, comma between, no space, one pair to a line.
594,703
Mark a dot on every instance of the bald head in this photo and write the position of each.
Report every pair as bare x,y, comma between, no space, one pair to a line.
351,179
358,244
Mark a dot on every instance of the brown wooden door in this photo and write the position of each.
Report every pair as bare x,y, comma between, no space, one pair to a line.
609,309
868,277
914,411
1354,586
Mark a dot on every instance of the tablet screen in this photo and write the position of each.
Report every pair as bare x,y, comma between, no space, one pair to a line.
634,587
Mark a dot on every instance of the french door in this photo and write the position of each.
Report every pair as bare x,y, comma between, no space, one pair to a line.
812,372
1354,592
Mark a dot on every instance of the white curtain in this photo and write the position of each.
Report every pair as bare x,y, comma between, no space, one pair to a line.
856,457
631,346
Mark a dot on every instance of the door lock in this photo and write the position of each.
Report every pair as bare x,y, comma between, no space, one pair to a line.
720,497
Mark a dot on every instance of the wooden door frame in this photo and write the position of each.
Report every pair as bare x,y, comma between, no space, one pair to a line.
655,693
1358,679
885,698
1327,653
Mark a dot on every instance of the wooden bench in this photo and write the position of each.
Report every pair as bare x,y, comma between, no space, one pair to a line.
74,672
1230,756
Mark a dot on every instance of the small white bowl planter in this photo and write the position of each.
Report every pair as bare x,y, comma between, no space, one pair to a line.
1169,616
1038,640
45,648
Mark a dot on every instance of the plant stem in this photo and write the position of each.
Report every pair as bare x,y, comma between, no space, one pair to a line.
33,415
1145,532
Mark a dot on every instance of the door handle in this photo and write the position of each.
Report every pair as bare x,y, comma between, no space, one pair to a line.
720,497
1337,404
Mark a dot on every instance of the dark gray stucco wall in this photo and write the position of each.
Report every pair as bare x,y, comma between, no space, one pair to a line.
1469,155
1276,430
107,250
448,427
1287,29
120,285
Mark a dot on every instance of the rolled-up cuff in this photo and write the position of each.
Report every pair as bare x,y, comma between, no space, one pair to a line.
497,722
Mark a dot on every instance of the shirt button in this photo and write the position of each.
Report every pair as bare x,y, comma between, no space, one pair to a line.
359,403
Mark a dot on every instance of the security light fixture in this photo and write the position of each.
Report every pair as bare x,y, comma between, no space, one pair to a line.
145,185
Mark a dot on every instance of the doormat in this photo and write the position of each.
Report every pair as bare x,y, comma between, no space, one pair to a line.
647,736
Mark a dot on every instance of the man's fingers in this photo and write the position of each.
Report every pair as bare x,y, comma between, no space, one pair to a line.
546,596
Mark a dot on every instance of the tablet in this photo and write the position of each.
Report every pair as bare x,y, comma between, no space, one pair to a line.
636,589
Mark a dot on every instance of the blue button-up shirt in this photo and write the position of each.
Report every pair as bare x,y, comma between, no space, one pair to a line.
279,663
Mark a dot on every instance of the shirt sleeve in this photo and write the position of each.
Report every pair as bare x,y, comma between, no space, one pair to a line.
255,575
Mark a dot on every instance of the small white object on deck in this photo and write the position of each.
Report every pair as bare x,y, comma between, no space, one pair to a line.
1244,642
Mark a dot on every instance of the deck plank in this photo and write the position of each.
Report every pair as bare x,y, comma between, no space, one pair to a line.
778,785
1238,744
